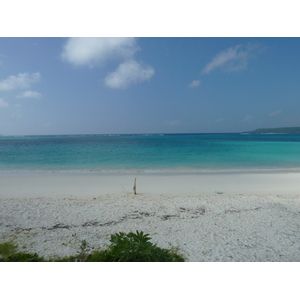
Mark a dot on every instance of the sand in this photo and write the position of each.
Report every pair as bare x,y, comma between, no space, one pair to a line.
241,217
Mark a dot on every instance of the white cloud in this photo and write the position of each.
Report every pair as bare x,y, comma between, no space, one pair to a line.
248,119
233,59
30,94
96,51
3,103
21,81
219,120
173,122
128,73
274,113
194,83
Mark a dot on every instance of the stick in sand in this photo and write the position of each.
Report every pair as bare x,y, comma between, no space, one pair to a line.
134,186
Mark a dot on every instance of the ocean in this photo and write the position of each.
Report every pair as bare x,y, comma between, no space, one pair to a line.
151,153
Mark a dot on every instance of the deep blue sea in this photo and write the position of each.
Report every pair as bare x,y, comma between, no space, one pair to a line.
151,153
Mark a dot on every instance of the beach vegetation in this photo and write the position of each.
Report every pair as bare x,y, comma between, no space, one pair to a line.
123,247
80,257
134,247
6,249
24,257
8,253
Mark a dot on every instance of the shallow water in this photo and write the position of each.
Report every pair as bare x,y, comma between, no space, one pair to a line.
151,153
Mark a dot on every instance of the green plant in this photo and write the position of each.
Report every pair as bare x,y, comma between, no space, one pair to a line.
8,253
7,249
83,248
24,257
133,247
80,257
130,247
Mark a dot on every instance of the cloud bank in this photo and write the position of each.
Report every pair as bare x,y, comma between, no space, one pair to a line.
233,59
274,113
219,120
173,122
127,73
3,103
194,83
19,82
248,119
96,52
30,94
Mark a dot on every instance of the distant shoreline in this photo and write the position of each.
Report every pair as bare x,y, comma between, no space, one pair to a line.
279,130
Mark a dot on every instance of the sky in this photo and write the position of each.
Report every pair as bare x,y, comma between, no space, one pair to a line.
103,85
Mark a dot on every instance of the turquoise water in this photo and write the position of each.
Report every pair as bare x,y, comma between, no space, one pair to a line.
150,152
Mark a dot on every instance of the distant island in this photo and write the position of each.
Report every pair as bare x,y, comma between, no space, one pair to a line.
275,130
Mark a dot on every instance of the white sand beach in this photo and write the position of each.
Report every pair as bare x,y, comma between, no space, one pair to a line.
240,217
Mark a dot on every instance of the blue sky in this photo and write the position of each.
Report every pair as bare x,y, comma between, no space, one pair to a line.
148,85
